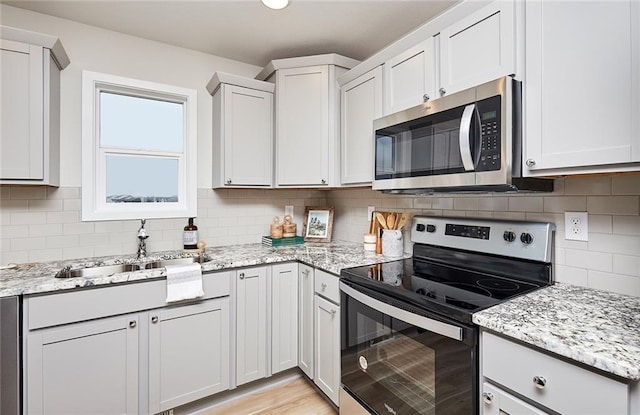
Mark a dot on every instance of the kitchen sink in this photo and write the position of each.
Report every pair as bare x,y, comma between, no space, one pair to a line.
97,271
107,270
176,261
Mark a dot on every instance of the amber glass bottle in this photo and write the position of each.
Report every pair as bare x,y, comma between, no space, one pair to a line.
190,236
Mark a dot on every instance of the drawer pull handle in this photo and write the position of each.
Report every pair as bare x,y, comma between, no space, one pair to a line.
487,397
132,324
540,382
154,319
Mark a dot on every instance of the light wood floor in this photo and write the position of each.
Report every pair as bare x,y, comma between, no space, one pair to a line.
295,397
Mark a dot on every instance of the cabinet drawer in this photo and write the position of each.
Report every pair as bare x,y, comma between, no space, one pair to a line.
568,389
327,285
79,305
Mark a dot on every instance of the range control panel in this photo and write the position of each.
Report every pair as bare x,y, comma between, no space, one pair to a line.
519,239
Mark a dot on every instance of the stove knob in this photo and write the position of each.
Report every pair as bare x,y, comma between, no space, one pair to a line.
431,228
526,238
509,236
420,227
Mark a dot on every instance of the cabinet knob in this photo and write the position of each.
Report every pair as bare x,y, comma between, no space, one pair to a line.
333,312
530,162
305,272
425,97
323,181
228,181
323,286
487,397
133,324
442,91
241,275
154,319
540,382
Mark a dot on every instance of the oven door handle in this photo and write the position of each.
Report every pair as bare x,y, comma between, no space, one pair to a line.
439,327
464,137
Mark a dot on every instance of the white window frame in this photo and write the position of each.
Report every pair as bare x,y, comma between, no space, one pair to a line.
94,205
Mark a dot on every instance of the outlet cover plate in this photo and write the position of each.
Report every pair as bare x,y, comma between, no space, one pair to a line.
576,226
370,210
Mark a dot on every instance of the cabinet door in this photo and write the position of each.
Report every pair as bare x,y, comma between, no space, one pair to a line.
248,136
302,125
251,320
497,402
361,103
327,350
284,317
582,85
84,368
409,77
305,320
188,353
21,105
478,48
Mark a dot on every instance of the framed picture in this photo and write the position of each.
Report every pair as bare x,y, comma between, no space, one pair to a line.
318,224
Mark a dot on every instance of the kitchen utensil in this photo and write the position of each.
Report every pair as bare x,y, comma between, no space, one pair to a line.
391,220
382,220
404,218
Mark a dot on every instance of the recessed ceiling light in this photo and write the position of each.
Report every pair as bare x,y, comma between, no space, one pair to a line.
275,4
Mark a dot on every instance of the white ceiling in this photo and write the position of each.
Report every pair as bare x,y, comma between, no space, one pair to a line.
247,31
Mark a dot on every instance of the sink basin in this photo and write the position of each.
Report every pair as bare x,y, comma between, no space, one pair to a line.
97,271
177,261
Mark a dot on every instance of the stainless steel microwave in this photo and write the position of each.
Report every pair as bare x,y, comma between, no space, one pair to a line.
467,141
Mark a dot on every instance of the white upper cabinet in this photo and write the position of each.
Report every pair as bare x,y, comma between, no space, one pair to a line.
30,65
242,131
360,103
410,77
478,48
307,145
582,87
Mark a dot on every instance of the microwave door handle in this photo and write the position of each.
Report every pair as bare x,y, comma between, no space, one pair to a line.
465,137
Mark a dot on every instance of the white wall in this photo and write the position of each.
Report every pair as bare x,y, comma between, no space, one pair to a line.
610,260
100,50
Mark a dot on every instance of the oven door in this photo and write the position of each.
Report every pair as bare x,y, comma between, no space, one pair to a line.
399,360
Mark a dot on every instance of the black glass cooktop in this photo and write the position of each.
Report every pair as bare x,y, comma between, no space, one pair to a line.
455,291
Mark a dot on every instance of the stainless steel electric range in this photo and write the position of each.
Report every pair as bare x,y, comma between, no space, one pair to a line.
408,344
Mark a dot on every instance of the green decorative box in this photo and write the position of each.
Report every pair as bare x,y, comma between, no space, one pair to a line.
296,240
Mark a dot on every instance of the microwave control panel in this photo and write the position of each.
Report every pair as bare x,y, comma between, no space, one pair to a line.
490,134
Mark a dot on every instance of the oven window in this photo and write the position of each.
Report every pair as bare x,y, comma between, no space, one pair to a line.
395,367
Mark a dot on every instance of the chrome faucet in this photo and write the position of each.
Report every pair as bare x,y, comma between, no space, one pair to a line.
142,236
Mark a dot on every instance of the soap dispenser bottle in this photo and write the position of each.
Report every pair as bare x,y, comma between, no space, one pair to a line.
190,235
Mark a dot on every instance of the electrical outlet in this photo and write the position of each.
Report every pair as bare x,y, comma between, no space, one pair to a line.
370,210
576,226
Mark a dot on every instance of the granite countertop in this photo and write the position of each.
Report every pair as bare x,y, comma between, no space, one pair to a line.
37,278
597,328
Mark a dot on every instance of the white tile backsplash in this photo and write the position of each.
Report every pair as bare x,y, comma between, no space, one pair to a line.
609,260
39,224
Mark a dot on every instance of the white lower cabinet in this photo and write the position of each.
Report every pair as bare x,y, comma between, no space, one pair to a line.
548,382
284,317
84,368
326,350
305,320
188,353
104,350
251,324
495,401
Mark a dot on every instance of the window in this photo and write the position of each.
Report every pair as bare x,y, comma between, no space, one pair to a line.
138,149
